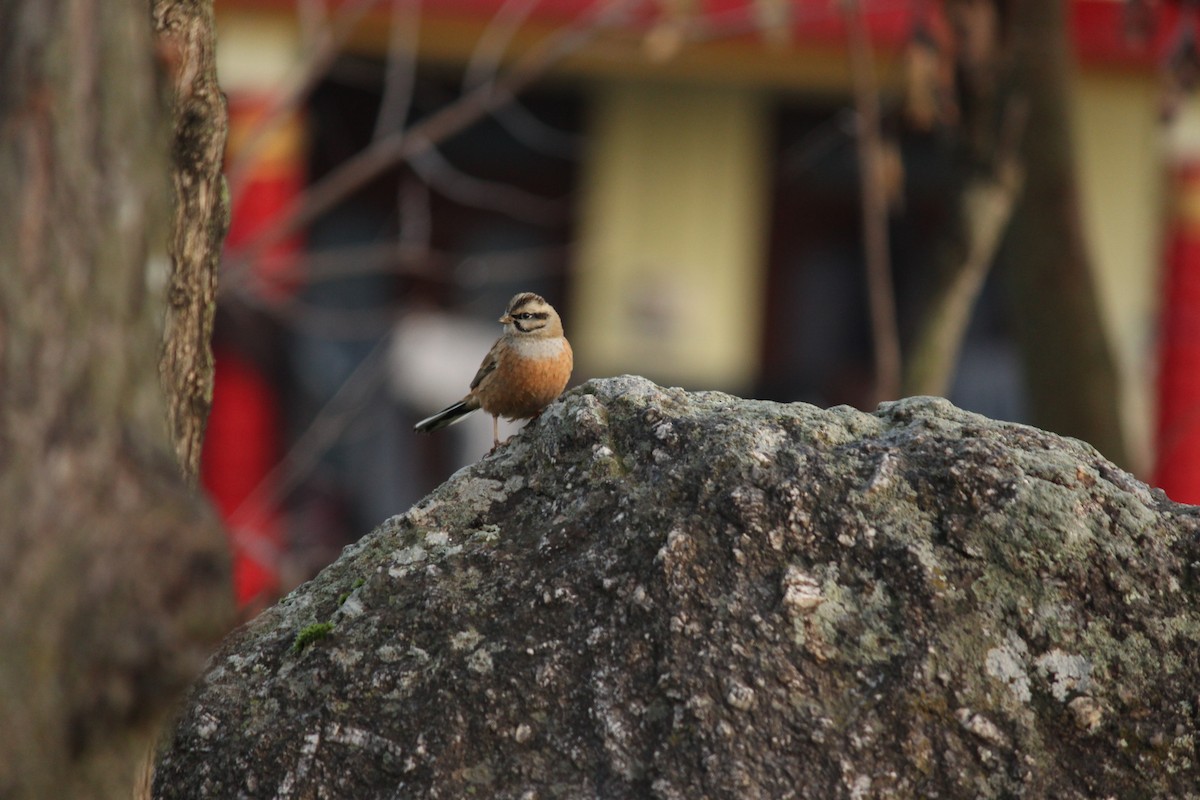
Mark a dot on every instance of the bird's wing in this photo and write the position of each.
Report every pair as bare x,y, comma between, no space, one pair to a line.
488,366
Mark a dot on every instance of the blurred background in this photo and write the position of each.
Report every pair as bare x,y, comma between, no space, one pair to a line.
797,200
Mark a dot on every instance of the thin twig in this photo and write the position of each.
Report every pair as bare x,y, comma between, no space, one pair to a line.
483,67
416,218
484,64
384,257
322,432
336,324
818,143
538,136
401,74
885,333
517,203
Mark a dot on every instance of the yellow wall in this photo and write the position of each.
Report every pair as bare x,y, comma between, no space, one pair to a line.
1118,135
670,266
258,52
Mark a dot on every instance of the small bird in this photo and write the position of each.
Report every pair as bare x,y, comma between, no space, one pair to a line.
526,369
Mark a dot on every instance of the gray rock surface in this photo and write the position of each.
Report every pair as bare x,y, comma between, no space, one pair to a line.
651,593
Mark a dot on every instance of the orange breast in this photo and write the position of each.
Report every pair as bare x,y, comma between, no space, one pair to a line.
522,386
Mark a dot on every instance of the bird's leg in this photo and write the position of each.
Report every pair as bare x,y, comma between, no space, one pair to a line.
495,431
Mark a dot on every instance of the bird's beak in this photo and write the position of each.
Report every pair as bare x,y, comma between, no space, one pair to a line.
506,319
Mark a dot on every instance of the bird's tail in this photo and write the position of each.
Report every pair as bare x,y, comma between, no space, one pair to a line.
447,416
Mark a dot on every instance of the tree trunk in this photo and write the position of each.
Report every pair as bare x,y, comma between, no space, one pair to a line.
1071,373
113,574
186,43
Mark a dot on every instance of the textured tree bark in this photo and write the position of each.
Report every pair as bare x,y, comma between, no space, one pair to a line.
186,43
1072,376
113,574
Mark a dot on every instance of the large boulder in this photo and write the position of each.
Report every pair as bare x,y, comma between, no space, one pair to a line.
654,593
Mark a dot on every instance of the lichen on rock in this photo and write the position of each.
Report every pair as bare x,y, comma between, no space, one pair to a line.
655,593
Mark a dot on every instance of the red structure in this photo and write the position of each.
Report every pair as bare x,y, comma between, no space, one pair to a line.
1177,469
240,450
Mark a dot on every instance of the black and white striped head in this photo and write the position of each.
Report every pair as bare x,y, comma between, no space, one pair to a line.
529,314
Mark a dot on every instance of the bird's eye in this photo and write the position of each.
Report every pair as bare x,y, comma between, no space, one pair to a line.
525,315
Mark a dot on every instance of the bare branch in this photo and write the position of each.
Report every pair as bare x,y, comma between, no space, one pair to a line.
322,432
484,64
439,173
530,131
398,148
988,204
416,222
401,71
325,49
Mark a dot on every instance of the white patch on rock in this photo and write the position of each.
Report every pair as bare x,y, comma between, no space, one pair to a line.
404,559
1006,664
1069,674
